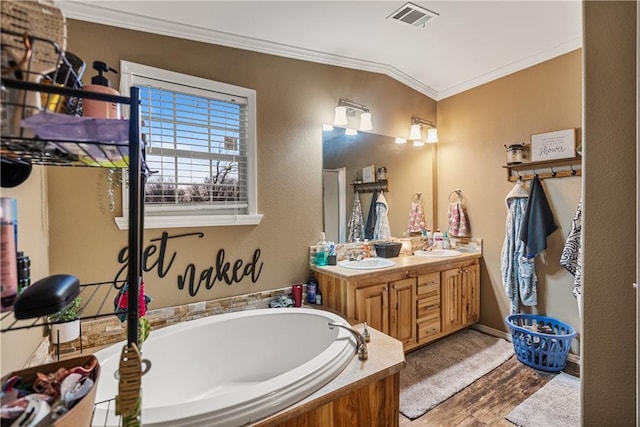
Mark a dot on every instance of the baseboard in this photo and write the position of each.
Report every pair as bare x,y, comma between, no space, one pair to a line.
573,358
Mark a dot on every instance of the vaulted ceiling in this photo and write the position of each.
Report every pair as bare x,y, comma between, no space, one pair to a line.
463,45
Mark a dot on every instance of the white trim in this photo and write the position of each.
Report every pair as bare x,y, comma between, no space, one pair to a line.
573,358
106,16
191,221
128,70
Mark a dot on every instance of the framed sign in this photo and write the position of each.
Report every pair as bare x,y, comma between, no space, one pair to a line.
553,145
369,174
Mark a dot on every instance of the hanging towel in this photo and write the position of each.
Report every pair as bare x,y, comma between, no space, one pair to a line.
371,218
416,215
382,231
518,272
538,221
457,220
571,257
356,222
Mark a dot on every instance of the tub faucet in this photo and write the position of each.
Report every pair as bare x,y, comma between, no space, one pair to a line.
361,339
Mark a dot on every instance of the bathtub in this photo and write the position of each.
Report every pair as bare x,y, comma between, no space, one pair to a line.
230,369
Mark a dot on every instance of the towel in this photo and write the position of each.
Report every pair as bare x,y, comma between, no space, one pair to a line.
416,217
518,272
457,220
371,218
538,221
382,231
356,222
571,257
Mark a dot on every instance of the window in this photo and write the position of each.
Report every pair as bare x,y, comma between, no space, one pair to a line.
201,146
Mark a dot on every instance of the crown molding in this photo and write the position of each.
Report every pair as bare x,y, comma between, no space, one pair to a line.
107,16
545,55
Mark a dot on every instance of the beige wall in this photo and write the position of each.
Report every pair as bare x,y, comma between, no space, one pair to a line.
610,204
473,127
31,197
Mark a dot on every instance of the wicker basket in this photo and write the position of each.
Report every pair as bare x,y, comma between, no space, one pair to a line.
388,249
546,351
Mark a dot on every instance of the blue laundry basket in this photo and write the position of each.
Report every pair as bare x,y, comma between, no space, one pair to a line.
544,351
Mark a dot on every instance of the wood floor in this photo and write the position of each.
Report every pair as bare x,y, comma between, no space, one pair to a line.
487,401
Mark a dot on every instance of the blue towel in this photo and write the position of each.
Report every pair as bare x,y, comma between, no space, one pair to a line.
538,222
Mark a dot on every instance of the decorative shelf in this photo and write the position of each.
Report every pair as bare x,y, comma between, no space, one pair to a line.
560,168
370,187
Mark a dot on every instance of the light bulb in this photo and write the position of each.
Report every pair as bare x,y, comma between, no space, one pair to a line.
415,132
417,143
400,140
341,116
350,132
365,121
432,136
326,127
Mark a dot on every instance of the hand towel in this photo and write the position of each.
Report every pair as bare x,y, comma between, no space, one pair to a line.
457,220
382,231
538,222
416,217
356,222
371,218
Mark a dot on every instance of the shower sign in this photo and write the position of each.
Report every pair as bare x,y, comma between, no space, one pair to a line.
553,145
160,256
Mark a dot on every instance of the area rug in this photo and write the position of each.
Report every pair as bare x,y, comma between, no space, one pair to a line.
440,370
557,403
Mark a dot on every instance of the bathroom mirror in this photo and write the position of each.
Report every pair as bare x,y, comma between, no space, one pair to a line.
409,170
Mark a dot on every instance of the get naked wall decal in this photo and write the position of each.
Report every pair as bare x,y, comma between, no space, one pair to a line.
157,256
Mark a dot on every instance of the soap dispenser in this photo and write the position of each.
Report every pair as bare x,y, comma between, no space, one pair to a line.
100,84
322,251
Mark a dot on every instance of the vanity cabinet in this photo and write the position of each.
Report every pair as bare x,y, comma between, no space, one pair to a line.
416,303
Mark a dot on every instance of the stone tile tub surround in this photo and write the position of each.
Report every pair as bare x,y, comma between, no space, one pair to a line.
109,330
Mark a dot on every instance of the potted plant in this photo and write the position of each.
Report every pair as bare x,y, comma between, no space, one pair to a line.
65,325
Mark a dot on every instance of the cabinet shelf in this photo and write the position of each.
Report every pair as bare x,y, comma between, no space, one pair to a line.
545,169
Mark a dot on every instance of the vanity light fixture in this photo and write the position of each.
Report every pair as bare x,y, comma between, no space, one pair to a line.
344,107
416,134
400,140
350,132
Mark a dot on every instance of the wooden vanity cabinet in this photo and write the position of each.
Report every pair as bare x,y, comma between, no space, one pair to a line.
415,305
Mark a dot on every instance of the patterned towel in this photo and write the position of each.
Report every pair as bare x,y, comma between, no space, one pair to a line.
457,220
416,218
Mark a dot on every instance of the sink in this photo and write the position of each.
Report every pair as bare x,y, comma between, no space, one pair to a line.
367,264
438,253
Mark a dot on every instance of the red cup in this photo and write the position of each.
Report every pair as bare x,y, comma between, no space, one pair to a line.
296,290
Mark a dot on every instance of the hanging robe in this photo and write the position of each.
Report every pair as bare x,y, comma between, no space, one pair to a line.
382,231
518,272
356,222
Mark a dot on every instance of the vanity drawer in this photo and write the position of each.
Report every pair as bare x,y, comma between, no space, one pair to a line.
429,285
428,330
428,308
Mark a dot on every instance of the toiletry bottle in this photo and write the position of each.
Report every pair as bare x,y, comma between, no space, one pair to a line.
322,251
446,244
437,239
312,289
8,254
99,83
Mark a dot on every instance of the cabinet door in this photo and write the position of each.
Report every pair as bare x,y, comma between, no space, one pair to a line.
451,282
471,294
372,305
402,303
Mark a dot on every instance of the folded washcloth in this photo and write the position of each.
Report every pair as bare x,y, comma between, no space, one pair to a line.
538,222
457,220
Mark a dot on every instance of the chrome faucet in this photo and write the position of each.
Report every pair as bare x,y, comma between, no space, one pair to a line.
361,338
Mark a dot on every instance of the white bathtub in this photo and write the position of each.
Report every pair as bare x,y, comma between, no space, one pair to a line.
230,369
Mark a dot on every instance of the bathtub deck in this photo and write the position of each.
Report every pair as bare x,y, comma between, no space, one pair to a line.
354,392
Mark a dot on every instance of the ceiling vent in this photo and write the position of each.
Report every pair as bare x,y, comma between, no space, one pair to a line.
413,15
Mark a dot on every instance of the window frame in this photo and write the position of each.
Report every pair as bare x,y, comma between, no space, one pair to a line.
131,70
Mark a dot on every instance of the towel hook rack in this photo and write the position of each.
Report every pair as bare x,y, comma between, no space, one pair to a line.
573,171
553,173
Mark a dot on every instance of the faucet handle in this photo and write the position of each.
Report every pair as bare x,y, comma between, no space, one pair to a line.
365,333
